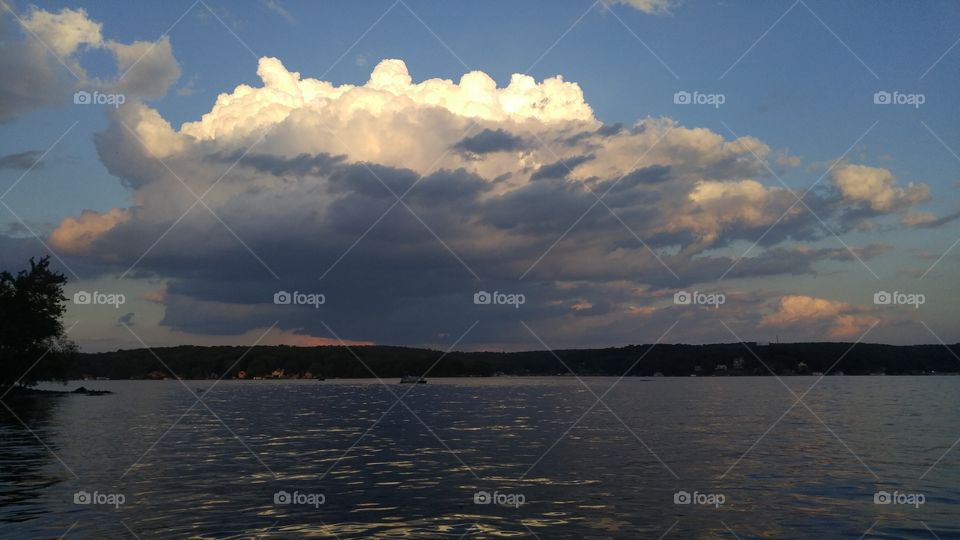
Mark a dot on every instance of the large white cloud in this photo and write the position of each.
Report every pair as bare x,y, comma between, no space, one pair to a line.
498,173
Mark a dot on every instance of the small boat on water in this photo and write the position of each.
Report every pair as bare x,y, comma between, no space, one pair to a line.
412,379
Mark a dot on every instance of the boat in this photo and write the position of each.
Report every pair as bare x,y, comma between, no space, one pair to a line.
412,379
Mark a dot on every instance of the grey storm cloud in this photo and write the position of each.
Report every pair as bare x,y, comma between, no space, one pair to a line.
560,168
126,319
399,274
489,141
31,79
301,165
21,160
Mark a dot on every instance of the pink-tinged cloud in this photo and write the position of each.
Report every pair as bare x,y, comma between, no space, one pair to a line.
158,296
840,318
315,341
76,235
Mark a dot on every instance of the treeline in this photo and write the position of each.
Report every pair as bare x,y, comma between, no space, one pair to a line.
388,362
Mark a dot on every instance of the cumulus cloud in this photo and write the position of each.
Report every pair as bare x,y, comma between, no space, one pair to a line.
798,310
76,235
64,31
41,53
32,78
148,68
300,179
876,187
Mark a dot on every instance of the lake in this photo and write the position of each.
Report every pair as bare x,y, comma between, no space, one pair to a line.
478,458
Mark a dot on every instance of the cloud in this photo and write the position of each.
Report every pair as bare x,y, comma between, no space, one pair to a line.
158,296
927,220
300,179
876,187
188,88
489,141
21,160
148,68
274,6
390,91
76,235
799,310
559,169
32,79
42,68
652,7
64,31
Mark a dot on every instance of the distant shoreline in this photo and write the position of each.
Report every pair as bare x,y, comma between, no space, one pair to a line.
387,362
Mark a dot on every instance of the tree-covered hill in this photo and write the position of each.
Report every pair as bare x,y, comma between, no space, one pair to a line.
389,362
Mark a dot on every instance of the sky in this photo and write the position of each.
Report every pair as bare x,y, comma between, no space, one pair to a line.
486,175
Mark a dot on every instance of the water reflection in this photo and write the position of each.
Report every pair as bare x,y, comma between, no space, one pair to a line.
216,474
28,468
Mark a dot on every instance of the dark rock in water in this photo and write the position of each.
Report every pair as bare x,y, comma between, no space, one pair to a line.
81,390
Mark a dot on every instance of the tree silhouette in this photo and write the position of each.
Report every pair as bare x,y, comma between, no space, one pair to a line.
33,345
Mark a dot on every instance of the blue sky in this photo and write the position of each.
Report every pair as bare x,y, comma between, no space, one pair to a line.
800,77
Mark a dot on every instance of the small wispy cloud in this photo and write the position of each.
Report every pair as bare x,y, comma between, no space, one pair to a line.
21,160
274,6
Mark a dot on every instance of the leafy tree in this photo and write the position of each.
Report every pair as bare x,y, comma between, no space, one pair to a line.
33,344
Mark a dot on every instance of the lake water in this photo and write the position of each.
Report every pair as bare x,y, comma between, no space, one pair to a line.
227,471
